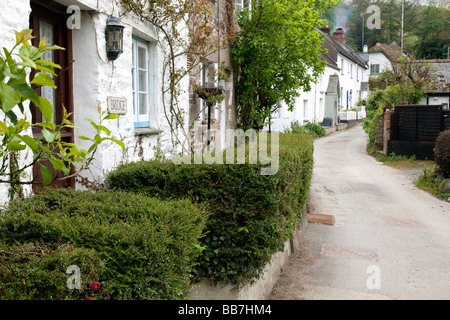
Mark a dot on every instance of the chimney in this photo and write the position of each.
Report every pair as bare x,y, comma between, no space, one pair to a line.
339,35
365,48
325,30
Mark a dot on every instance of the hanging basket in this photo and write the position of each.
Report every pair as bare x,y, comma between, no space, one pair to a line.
210,95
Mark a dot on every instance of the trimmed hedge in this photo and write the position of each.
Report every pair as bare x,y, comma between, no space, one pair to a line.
251,215
137,247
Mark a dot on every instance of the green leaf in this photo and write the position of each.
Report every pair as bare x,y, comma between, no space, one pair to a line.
46,108
45,69
31,142
48,136
15,146
26,91
48,125
10,60
9,97
111,116
43,79
120,143
27,62
57,164
84,138
54,47
47,176
65,170
48,63
101,128
12,116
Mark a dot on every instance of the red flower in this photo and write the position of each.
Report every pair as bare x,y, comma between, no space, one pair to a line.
94,286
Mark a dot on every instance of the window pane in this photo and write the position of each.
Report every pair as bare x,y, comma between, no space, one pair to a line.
142,103
142,81
46,31
142,57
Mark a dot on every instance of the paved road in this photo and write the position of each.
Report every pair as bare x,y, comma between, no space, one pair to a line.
391,240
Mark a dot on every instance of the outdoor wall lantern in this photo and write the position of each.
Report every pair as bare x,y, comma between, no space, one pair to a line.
114,38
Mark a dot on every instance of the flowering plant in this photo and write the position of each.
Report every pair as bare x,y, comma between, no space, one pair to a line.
94,287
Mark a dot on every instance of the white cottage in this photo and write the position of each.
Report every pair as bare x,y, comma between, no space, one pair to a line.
132,82
352,77
382,56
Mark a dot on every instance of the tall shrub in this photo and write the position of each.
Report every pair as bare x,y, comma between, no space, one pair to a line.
277,50
251,215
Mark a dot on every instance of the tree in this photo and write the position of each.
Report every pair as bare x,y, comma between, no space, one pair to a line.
16,93
409,79
277,51
433,33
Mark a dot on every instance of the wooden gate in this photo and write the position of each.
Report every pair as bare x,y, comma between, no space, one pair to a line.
414,129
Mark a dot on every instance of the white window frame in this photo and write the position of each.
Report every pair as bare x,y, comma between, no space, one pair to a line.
372,67
243,5
141,120
305,109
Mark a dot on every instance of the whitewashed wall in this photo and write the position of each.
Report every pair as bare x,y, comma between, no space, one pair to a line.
95,79
349,80
381,59
313,100
13,16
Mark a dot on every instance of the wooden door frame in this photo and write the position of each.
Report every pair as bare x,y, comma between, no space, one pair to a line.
55,14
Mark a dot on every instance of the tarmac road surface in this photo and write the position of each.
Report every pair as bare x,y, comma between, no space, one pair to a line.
390,240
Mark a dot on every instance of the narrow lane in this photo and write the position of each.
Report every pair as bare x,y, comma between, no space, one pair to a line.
390,240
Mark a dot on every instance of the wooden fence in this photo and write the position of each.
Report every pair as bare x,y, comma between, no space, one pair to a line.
413,129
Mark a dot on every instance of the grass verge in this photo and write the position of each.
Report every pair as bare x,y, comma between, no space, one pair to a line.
427,179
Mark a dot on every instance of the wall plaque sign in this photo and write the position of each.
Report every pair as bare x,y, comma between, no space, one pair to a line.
117,105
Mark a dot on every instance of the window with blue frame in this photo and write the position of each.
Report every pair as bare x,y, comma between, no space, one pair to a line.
141,82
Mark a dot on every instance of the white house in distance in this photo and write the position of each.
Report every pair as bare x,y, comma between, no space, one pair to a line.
439,94
382,56
343,83
93,78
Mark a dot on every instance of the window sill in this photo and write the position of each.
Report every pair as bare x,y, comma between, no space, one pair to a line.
146,131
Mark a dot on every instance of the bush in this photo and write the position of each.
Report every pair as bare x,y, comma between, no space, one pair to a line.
137,247
312,129
252,215
442,153
296,127
315,129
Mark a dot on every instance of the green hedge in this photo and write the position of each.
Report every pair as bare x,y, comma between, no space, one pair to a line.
137,247
251,215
